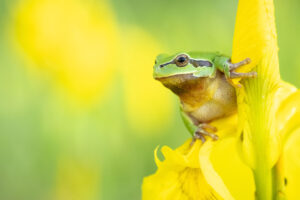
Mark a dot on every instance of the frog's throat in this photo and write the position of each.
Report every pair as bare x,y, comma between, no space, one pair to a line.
190,89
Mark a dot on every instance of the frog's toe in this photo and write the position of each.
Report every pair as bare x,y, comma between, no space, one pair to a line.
233,66
208,126
214,136
198,136
206,133
243,75
200,133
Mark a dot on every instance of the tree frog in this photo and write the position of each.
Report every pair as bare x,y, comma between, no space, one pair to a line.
203,83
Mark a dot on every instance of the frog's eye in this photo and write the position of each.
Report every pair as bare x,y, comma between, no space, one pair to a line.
181,60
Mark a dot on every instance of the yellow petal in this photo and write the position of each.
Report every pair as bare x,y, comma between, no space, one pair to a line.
255,37
184,161
178,176
149,105
222,165
75,41
288,115
227,126
288,124
212,177
225,171
292,166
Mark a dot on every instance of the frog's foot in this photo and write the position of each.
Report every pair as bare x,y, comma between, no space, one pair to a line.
201,132
231,74
233,66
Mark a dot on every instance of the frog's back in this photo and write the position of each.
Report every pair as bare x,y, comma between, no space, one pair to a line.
203,55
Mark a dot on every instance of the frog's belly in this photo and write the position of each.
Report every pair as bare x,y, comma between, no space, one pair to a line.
211,110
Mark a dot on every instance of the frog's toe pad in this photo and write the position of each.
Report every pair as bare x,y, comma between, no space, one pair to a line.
233,66
200,133
243,75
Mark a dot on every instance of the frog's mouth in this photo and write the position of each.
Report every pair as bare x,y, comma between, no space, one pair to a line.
180,83
177,78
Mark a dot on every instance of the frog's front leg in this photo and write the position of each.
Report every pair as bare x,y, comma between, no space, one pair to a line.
233,66
198,130
224,64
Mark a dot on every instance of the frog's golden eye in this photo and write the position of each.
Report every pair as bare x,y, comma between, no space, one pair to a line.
181,60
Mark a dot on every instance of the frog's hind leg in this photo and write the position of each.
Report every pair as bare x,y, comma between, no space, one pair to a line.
198,130
201,132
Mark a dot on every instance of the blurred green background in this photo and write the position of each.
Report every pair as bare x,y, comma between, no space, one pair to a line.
80,114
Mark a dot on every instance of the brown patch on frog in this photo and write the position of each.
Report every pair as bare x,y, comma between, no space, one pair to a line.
191,90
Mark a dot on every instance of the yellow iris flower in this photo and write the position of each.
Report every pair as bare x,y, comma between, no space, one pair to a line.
256,157
179,176
74,41
81,46
212,163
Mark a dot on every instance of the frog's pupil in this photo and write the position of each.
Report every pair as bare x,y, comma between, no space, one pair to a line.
181,59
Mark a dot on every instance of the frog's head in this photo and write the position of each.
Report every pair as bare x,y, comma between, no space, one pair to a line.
182,64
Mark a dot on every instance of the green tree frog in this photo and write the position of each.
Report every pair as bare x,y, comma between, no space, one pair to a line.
203,82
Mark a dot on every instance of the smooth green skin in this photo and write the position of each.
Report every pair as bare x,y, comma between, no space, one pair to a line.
219,62
191,127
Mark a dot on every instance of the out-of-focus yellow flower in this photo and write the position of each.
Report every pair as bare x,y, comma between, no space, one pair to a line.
76,41
76,180
147,103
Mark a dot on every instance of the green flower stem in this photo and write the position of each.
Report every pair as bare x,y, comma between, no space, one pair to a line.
257,119
263,180
255,37
258,129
